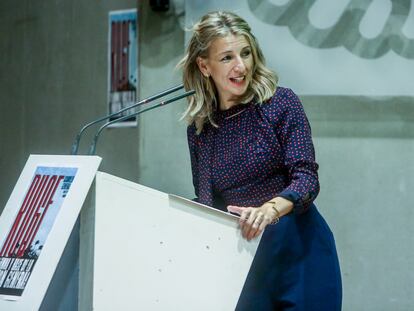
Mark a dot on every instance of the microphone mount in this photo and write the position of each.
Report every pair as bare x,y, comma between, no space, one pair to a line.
92,148
75,145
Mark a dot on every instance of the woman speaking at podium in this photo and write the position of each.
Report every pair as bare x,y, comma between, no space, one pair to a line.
252,154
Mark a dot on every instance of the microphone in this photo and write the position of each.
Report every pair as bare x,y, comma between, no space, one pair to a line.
75,145
92,148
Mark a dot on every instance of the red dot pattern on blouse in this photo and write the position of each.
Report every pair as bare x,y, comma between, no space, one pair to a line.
258,152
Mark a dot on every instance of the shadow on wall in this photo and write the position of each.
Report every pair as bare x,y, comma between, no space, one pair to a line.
158,31
360,116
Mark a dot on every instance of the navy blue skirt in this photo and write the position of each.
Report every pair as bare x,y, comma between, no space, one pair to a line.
295,267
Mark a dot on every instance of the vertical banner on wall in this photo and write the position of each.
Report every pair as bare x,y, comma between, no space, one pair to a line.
123,57
24,242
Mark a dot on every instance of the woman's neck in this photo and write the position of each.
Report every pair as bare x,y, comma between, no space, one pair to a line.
226,104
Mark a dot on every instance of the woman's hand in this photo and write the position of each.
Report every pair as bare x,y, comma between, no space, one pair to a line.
253,220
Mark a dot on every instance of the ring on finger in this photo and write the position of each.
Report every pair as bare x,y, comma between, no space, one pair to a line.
259,218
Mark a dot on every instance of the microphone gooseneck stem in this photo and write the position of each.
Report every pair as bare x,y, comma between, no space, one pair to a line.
75,145
92,148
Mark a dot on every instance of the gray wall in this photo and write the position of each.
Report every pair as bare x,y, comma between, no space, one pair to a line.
365,149
53,58
163,160
53,78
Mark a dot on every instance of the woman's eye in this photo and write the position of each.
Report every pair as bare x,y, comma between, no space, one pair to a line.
226,58
246,54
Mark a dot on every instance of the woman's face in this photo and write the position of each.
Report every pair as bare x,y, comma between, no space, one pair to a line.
229,63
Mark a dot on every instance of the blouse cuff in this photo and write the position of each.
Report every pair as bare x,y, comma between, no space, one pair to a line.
300,203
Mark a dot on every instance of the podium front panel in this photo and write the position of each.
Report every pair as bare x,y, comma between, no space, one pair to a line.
155,251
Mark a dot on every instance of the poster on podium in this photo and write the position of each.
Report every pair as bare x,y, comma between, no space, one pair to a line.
36,223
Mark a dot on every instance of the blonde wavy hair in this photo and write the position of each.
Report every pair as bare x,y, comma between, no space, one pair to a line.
212,26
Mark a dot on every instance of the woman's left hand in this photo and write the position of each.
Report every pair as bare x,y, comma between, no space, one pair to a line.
253,220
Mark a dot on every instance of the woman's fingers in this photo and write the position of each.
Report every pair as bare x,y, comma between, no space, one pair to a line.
252,227
255,227
266,220
235,209
247,225
244,214
252,220
263,222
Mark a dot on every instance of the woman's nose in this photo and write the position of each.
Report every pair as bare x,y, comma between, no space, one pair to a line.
240,66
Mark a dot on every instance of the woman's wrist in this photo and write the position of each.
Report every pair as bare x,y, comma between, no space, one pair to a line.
278,207
272,210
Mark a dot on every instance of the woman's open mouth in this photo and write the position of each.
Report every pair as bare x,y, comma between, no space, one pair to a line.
238,80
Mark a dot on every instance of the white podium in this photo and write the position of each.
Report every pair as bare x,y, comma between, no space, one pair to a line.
154,251
140,249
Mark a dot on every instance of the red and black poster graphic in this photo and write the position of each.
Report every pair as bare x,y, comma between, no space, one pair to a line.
22,246
123,59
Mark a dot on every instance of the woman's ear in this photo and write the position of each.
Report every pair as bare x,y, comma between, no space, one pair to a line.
202,65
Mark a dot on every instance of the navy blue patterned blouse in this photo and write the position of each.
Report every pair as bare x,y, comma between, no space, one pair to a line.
258,152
